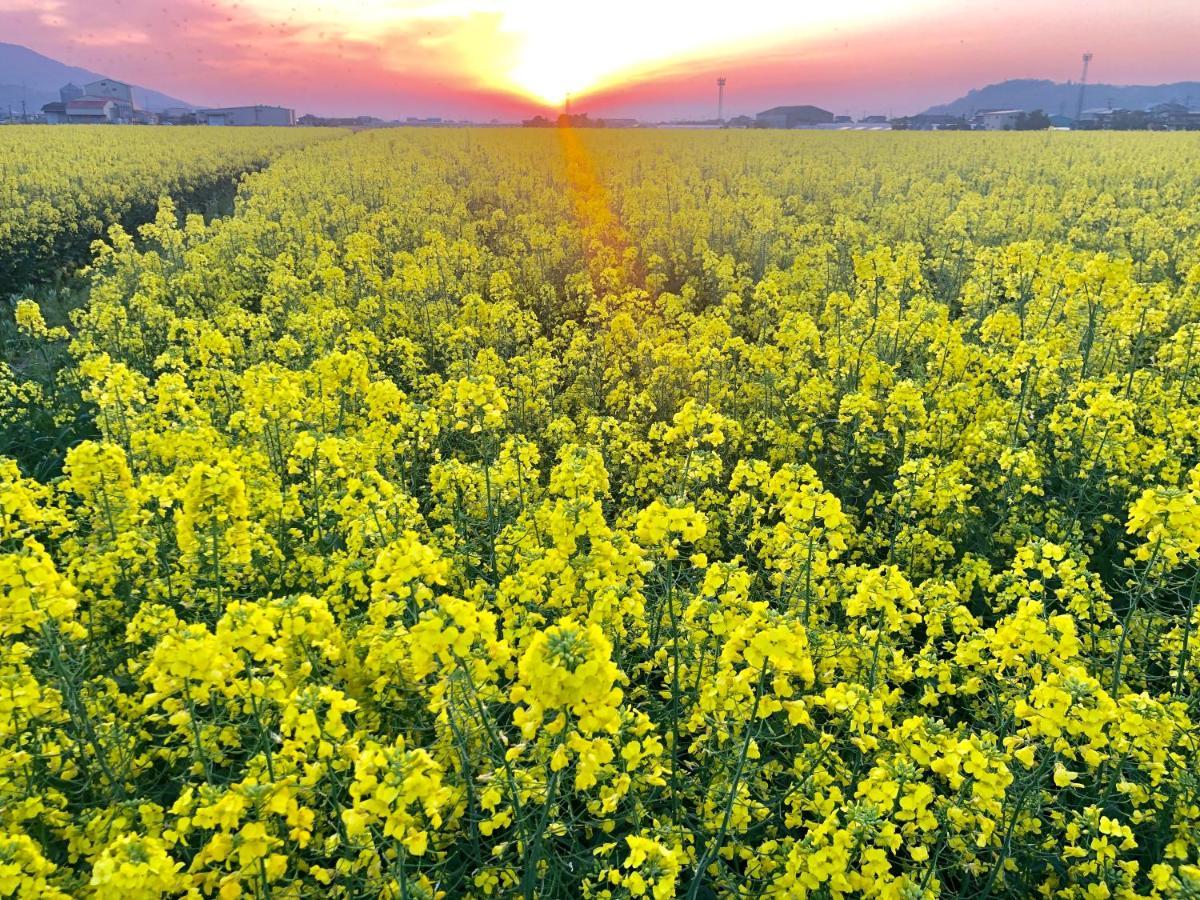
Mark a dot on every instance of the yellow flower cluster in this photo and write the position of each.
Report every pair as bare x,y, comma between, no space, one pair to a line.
60,188
617,515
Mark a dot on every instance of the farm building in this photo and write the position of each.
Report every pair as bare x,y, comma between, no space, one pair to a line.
92,110
793,117
96,103
247,115
82,111
55,113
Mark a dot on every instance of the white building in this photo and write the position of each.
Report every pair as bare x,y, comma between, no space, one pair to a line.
999,119
120,93
247,115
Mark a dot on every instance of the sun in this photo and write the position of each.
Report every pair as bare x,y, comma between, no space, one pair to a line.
551,77
555,55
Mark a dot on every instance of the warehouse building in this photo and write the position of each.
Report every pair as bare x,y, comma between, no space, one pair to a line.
793,117
120,93
110,88
930,122
247,115
999,119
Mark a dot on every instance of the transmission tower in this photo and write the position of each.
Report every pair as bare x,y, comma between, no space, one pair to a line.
1087,58
721,101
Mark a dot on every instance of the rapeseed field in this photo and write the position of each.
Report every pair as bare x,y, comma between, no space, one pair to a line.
636,514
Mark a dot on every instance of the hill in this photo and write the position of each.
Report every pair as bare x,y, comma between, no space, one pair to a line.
28,76
1057,98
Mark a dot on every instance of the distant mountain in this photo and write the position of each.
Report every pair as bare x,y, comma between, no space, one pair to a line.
35,79
1061,99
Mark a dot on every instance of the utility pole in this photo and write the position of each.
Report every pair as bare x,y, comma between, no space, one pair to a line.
721,101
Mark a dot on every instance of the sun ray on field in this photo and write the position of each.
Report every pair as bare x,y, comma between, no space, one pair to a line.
605,241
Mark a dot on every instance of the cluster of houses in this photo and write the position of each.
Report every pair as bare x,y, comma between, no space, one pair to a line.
110,102
1159,117
107,101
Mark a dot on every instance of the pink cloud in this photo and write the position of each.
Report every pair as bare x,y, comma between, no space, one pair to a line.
905,67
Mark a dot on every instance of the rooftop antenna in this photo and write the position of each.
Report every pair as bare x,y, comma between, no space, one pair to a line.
1087,58
721,100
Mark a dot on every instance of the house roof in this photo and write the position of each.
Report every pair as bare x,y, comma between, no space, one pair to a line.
88,106
1168,107
56,107
795,111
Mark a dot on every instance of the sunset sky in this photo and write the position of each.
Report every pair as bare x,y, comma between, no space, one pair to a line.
455,58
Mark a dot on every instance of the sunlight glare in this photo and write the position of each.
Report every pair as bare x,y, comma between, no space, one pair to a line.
547,49
571,49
